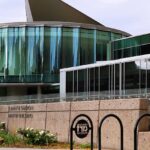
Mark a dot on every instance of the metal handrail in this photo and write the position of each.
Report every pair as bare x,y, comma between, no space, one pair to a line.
49,98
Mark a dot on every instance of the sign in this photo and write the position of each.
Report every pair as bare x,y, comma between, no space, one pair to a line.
20,111
82,129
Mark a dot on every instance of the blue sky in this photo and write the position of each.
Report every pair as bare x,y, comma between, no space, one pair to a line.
132,16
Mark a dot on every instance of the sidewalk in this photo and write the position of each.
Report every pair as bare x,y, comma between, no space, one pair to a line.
42,149
34,149
23,149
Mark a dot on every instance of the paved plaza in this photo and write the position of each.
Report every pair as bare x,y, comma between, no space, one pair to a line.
42,149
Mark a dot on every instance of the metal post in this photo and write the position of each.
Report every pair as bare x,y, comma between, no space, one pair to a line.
120,79
71,139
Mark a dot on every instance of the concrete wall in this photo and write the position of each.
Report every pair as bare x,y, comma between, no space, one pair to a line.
57,118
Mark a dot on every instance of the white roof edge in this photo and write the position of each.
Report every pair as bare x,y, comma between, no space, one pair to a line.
105,63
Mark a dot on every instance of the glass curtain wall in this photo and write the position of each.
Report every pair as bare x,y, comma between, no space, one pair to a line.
128,47
101,45
87,46
70,48
3,53
15,54
122,80
52,50
36,53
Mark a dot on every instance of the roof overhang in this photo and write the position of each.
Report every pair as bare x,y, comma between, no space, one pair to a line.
55,10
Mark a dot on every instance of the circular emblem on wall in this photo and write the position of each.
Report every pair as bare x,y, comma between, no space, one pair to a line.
82,128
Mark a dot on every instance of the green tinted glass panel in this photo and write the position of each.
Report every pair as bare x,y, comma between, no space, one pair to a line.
67,48
34,50
87,46
16,53
51,55
145,39
3,51
102,38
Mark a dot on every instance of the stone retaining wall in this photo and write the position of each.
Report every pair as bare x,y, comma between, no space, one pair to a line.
57,118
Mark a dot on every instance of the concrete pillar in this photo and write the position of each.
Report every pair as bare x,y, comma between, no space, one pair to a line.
39,93
62,84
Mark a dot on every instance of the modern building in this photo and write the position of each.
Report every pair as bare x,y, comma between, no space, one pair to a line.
55,37
59,38
125,75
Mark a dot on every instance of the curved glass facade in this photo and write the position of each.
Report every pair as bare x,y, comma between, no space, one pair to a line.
34,54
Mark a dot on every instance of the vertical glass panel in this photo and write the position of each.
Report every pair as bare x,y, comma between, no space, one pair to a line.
13,51
30,52
51,60
70,47
118,54
67,48
76,52
80,80
16,49
135,51
102,38
132,76
34,50
3,51
142,68
75,83
104,81
127,43
115,36
145,39
137,40
92,81
148,76
145,49
69,82
126,52
86,81
96,79
87,47
116,80
123,77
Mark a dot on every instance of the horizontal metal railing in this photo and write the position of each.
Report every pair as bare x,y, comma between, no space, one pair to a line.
83,96
37,78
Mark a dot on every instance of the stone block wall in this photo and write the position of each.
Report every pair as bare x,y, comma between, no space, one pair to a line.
57,118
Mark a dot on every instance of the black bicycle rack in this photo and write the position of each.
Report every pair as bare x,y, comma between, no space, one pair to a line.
100,130
135,130
88,125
